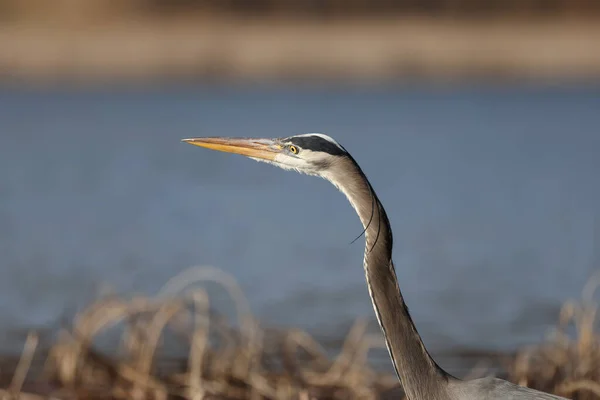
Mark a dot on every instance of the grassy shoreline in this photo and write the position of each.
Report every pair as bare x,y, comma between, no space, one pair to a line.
244,360
262,49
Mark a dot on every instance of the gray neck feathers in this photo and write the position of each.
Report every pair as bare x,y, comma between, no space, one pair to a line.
420,375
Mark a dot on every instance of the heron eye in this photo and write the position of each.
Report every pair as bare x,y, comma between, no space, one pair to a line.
293,149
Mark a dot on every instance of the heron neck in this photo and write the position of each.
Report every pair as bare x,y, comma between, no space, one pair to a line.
421,377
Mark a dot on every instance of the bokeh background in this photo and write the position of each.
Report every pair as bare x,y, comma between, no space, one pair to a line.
477,122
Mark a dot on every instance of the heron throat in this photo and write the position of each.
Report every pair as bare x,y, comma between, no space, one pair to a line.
421,377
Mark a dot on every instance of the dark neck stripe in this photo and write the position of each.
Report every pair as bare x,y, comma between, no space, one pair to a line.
317,143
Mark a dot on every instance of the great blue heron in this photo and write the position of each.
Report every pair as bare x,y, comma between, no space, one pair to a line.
320,155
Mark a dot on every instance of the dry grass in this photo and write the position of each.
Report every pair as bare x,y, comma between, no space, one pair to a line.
569,363
243,361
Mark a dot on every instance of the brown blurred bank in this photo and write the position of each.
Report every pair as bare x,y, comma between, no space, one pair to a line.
358,40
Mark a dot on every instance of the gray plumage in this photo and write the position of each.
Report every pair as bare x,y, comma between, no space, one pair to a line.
421,377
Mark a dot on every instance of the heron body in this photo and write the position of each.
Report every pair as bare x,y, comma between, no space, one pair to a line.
320,155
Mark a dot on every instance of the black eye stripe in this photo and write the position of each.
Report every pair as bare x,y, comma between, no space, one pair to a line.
317,143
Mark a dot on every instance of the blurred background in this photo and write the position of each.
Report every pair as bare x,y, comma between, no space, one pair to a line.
477,122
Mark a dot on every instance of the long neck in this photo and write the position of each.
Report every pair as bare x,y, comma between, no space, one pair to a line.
420,375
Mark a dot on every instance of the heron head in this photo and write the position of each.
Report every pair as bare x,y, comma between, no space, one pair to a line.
312,153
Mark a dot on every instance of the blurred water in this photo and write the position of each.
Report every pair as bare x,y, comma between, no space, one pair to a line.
493,193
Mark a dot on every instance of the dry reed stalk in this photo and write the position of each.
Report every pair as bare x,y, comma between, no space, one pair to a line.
20,374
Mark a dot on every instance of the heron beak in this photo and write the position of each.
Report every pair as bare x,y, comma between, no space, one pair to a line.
264,149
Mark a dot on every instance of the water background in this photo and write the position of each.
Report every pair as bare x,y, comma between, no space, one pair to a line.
493,193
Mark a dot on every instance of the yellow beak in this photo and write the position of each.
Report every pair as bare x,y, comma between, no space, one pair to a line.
265,149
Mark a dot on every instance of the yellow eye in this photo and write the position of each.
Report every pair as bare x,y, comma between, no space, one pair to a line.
293,149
